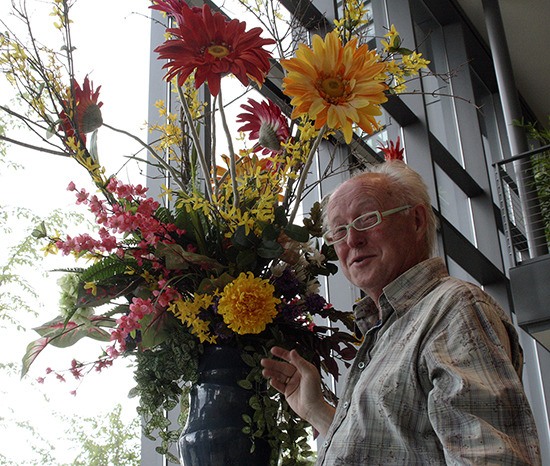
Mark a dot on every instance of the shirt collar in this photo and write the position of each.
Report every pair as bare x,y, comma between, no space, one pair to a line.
402,293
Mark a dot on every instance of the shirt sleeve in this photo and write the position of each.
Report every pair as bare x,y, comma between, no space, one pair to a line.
476,402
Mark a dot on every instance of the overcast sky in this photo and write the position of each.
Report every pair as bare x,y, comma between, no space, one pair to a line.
112,41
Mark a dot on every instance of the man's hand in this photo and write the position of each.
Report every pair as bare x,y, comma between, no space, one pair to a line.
300,382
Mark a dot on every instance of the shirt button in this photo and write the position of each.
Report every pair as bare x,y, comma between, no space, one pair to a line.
325,443
361,365
346,404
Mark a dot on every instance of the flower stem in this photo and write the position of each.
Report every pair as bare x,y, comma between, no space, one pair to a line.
197,143
304,172
157,157
232,162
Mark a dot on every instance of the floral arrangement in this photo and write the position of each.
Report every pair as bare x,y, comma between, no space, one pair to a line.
219,258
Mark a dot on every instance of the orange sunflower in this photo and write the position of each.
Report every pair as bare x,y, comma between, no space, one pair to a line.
87,111
337,85
214,47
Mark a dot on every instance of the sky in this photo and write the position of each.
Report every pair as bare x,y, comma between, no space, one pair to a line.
113,47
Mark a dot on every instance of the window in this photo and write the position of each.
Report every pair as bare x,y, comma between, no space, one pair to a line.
440,110
454,204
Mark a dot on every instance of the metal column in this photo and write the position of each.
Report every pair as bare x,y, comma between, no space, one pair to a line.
512,111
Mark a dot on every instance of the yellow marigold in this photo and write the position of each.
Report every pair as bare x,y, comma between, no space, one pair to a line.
336,84
247,304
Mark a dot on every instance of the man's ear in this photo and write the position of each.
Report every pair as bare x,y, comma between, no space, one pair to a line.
420,221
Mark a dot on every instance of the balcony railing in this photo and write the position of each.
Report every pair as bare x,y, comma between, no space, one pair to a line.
524,191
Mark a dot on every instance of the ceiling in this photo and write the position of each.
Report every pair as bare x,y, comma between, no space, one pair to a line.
526,23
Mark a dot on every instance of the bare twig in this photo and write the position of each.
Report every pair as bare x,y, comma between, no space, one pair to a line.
304,172
152,151
232,157
197,143
33,147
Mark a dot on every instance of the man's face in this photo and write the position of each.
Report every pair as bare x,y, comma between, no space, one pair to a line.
373,258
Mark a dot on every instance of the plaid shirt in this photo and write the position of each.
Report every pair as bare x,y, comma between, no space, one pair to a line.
436,381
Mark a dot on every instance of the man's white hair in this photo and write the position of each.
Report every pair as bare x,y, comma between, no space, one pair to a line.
409,188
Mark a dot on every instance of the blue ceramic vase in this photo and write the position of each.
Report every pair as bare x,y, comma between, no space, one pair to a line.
213,434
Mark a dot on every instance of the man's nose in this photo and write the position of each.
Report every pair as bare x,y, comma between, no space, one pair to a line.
356,238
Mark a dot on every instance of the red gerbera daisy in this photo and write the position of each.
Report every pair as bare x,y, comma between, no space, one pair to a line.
393,151
87,114
172,7
266,122
214,47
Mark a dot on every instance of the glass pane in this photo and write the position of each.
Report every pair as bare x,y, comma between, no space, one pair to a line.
454,204
440,109
488,122
367,31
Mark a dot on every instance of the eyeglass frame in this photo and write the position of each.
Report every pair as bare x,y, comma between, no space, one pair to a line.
379,217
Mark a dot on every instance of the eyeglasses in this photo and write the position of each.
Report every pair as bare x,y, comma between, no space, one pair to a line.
361,223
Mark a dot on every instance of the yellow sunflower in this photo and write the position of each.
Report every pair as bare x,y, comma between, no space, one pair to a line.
334,84
247,304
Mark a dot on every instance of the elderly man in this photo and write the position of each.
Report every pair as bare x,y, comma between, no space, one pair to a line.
437,379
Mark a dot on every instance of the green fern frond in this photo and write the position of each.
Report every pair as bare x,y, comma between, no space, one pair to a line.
164,215
78,270
105,269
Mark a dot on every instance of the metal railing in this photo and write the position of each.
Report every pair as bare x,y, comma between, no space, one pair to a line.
524,192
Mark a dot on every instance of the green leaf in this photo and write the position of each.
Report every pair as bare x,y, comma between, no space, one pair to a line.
329,252
246,260
210,285
108,291
248,359
33,350
270,233
243,240
153,330
297,233
255,403
246,384
404,51
269,249
280,216
177,258
93,147
64,335
106,268
57,334
40,231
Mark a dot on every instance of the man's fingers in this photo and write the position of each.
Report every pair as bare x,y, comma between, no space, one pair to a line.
282,353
